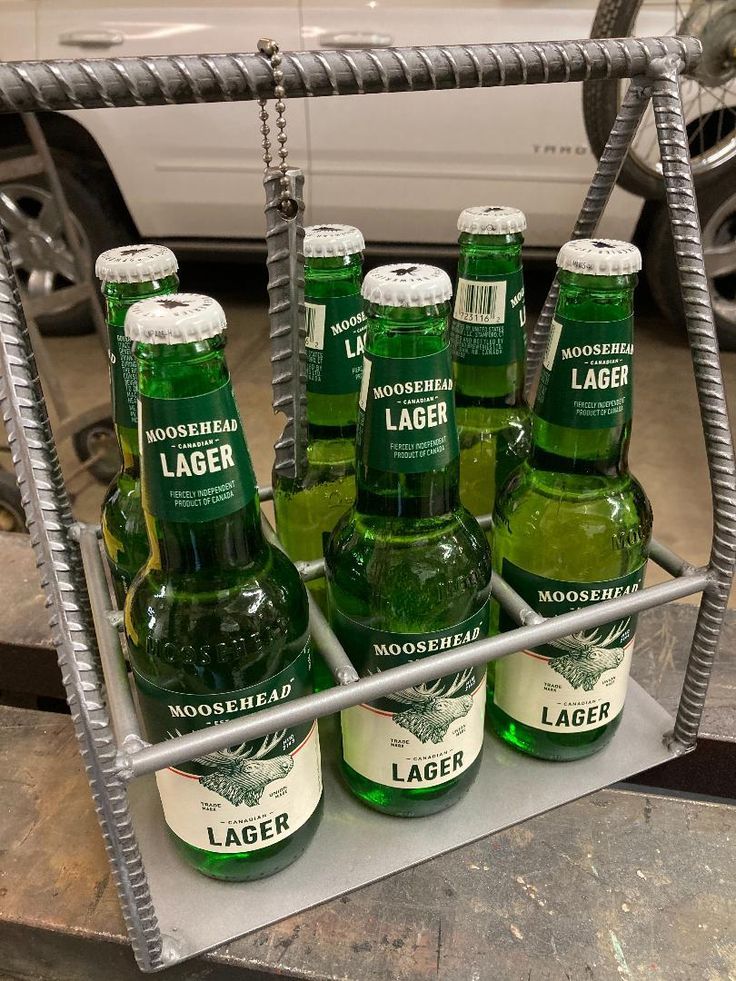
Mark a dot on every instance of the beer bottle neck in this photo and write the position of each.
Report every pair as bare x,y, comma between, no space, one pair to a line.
197,485
119,297
407,449
487,328
335,336
582,412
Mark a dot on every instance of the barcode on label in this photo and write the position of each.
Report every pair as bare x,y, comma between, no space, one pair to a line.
480,303
314,314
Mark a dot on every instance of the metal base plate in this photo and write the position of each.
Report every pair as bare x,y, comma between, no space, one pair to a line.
355,846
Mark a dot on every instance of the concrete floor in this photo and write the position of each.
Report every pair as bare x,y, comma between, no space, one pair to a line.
667,452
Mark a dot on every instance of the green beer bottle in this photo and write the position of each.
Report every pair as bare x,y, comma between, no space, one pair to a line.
217,622
408,568
128,274
307,509
572,526
488,350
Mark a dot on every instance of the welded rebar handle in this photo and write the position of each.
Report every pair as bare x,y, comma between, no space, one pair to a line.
178,79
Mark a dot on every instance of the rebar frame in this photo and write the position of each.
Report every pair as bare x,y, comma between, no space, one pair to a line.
68,554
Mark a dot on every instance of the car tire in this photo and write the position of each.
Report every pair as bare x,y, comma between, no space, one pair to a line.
717,206
96,216
98,440
617,18
12,515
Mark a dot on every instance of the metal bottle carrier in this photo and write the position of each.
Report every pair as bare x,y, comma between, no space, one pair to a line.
172,912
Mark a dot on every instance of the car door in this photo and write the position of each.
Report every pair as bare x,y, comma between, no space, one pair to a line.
184,171
401,167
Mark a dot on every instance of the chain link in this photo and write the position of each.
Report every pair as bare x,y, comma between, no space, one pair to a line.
287,205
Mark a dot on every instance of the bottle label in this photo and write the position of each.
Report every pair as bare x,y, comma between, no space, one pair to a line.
576,683
334,344
406,422
585,382
196,465
423,736
123,378
248,796
488,320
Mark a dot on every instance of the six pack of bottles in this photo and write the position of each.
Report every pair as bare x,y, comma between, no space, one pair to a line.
417,424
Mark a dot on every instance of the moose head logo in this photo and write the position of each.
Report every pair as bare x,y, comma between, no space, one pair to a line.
588,655
241,774
433,708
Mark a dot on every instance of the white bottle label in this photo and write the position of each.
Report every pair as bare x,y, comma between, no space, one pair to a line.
422,736
243,805
247,796
575,683
432,740
532,690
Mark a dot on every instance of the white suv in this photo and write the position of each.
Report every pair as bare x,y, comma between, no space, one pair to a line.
399,167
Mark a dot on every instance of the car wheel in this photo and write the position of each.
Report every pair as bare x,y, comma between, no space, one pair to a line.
717,207
12,515
97,443
39,250
709,99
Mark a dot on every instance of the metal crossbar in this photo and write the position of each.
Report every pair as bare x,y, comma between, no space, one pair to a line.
69,555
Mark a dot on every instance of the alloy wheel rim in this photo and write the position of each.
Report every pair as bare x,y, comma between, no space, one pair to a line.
39,251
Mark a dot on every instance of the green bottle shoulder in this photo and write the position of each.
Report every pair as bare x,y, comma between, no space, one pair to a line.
196,633
123,496
530,486
572,527
513,423
393,555
328,461
268,591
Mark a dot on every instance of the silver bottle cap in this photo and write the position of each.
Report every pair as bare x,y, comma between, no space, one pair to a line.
176,319
406,284
328,241
491,220
599,257
135,264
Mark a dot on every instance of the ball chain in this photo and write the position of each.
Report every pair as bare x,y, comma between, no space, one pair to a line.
287,205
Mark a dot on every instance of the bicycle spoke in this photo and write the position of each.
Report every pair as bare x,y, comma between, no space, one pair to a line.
652,147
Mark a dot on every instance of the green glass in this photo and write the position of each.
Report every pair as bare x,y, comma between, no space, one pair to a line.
408,558
493,419
215,609
123,524
307,508
573,512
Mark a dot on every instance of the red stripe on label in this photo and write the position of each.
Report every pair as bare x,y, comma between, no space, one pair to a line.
306,740
538,657
381,712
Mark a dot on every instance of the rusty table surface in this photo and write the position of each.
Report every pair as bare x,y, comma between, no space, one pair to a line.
619,885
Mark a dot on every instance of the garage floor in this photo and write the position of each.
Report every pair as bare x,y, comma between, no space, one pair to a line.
667,452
